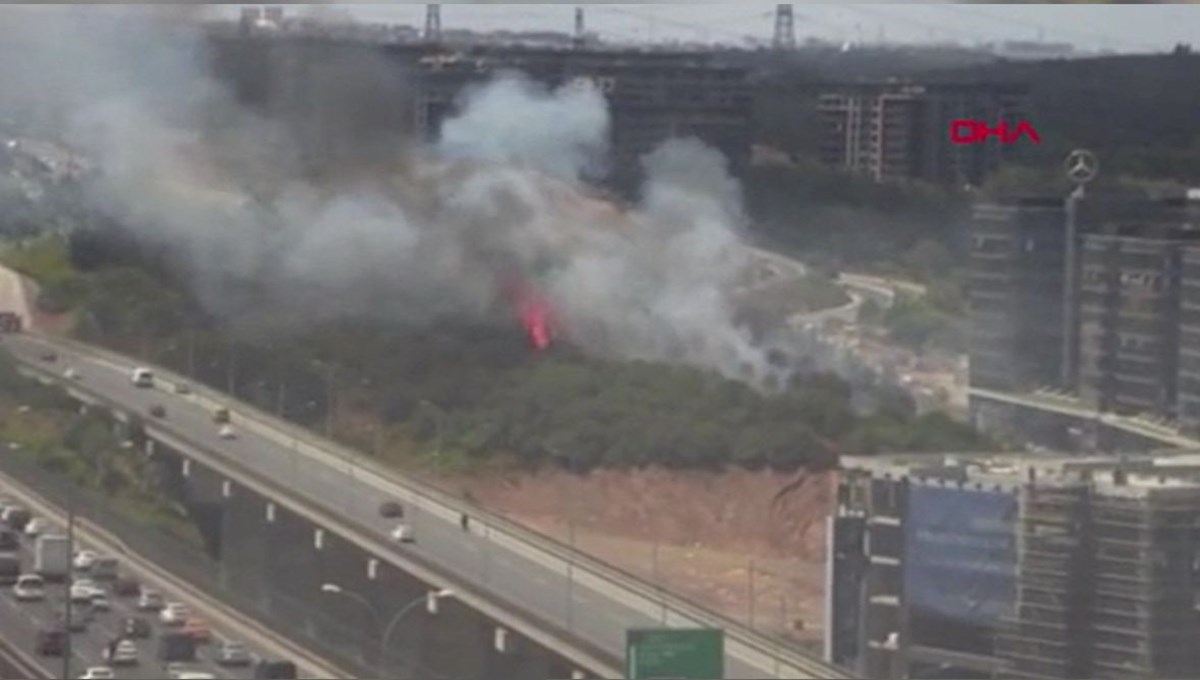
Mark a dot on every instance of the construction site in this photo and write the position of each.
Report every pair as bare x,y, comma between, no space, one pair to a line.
1013,566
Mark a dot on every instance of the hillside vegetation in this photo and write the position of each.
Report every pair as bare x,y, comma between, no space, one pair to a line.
464,395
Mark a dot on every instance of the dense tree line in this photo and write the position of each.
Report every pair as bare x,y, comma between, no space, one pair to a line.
476,392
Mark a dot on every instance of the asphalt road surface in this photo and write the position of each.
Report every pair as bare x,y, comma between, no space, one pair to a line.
19,622
506,571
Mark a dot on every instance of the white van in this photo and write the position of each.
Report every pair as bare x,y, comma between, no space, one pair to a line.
142,377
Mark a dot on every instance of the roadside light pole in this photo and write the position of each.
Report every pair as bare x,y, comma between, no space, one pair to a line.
376,619
387,633
386,636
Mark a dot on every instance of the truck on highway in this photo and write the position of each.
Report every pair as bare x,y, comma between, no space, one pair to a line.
52,557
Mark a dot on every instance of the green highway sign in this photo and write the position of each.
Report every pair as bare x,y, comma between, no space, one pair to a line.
675,653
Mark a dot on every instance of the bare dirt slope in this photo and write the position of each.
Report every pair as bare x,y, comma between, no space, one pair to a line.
723,540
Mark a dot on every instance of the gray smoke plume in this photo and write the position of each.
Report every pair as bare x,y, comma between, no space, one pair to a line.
426,233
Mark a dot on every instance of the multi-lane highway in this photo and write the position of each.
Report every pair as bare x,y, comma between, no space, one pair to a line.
595,609
20,621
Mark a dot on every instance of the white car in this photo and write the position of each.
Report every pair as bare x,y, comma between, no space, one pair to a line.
35,527
403,533
174,614
150,601
191,675
142,377
81,593
71,374
125,654
98,673
226,432
30,588
84,559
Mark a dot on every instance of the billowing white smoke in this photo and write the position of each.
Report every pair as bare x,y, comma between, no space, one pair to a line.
503,196
513,121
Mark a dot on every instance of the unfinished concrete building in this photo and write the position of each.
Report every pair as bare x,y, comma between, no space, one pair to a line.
1017,566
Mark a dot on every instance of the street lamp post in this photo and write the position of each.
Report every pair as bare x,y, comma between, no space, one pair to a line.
386,635
335,589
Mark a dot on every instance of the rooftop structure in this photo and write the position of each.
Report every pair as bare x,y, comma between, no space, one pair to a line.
1017,566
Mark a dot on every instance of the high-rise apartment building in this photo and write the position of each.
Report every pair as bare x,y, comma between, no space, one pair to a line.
1015,294
897,130
977,566
1126,344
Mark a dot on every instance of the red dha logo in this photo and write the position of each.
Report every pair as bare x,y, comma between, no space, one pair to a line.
976,131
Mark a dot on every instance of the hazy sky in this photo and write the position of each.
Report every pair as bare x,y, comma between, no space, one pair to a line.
1119,27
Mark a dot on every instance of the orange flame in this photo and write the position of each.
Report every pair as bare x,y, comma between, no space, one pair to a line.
534,313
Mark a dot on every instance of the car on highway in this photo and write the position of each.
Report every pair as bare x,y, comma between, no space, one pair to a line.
232,653
30,588
191,675
98,673
16,517
48,356
100,601
403,534
35,527
158,411
150,601
142,377
51,642
174,614
136,627
226,432
84,559
82,592
125,653
71,373
391,510
197,629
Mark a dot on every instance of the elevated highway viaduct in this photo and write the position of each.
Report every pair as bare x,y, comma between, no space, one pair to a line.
285,513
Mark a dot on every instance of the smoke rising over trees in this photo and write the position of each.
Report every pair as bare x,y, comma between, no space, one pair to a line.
220,190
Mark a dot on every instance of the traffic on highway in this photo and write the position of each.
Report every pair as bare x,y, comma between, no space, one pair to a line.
505,567
120,626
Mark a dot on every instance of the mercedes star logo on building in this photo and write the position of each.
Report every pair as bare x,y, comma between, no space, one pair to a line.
1082,166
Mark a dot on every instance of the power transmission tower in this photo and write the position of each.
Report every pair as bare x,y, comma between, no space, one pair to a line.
785,28
433,23
578,39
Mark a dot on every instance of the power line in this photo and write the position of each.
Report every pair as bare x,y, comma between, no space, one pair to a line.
1040,26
